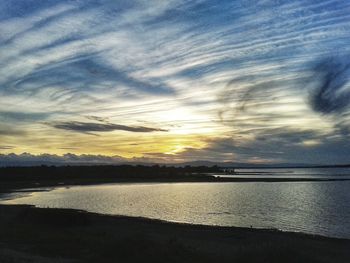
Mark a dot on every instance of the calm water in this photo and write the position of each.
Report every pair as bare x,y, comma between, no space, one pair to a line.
293,173
312,207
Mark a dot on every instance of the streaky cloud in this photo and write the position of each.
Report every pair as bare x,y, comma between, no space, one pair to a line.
23,116
272,76
6,147
6,130
88,127
84,73
97,118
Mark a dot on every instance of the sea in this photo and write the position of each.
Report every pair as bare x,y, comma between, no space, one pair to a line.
314,207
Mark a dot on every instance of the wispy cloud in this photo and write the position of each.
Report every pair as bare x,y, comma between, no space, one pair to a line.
8,130
97,118
6,147
206,69
17,116
87,127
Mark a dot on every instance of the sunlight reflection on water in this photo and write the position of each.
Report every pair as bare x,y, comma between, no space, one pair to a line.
312,207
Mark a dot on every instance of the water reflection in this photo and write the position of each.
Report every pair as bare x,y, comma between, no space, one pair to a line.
312,207
324,173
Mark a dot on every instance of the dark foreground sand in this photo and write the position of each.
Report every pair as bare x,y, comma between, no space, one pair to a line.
29,234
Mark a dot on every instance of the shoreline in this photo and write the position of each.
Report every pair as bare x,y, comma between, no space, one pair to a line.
42,176
19,193
11,186
46,232
177,223
31,234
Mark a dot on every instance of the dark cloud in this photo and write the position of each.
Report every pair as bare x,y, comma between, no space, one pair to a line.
87,127
285,146
68,148
287,136
328,89
6,147
329,92
97,118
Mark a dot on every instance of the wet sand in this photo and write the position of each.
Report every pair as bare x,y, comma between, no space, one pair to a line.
64,235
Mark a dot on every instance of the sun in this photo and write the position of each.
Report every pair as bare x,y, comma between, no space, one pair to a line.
177,148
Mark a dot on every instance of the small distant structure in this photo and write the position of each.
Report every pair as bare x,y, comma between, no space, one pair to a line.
229,170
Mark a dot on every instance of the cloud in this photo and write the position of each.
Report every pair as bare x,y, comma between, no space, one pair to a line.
6,147
68,148
17,116
246,93
69,158
27,159
330,85
84,74
253,71
87,127
7,130
97,118
280,146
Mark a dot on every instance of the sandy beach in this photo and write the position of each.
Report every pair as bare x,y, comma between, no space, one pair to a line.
31,234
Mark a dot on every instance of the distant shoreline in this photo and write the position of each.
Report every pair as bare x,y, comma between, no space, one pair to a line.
20,186
179,165
15,178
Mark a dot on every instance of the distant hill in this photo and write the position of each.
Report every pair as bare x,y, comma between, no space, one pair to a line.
267,165
30,163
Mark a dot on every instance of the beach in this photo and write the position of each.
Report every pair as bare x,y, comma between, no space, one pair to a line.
63,235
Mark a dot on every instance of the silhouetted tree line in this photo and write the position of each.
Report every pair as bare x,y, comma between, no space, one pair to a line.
102,172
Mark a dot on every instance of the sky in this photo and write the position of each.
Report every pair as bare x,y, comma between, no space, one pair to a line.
173,80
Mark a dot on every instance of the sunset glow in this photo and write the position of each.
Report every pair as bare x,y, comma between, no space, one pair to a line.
171,81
